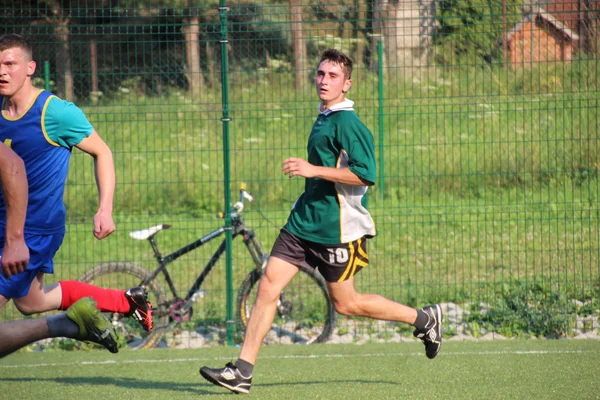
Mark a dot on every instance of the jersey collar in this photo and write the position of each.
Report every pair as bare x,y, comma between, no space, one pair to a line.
346,105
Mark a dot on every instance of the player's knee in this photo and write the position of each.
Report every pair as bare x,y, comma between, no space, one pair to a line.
26,309
346,308
268,290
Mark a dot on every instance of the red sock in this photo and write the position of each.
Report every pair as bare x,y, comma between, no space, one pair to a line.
107,299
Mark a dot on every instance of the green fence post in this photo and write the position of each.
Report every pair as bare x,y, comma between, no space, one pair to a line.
230,323
47,75
381,117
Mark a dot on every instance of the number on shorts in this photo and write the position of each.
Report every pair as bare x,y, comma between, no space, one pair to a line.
338,255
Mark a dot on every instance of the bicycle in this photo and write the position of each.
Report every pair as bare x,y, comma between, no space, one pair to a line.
305,312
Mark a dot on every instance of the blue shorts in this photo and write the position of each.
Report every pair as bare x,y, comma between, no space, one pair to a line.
42,249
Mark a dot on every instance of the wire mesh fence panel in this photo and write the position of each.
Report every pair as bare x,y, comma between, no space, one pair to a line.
485,121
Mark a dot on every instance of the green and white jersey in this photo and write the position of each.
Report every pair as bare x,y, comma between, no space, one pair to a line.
329,212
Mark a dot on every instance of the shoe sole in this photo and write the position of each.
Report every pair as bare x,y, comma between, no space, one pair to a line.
439,315
110,344
103,337
138,316
219,383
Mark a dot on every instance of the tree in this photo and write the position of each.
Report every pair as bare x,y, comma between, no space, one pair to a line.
384,28
64,83
191,33
298,41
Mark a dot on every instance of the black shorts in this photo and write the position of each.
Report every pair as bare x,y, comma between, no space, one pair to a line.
336,262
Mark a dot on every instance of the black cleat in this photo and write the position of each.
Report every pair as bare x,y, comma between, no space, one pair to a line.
228,377
431,336
141,309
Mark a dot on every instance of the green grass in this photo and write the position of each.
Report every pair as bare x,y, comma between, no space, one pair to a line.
463,370
462,130
444,249
490,176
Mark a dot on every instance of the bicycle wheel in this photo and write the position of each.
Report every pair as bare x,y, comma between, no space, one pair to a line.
305,313
124,275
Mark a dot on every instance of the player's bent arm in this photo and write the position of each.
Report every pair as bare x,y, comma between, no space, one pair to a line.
340,175
104,169
299,167
105,180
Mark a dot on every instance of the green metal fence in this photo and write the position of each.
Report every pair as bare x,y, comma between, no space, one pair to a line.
485,118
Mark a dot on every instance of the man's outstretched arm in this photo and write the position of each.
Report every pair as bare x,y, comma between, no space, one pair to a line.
13,180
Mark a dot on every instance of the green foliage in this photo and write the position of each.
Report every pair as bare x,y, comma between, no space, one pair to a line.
527,308
145,4
343,329
317,44
166,154
67,344
471,31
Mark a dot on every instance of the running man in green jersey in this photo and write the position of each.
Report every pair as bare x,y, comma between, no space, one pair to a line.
328,227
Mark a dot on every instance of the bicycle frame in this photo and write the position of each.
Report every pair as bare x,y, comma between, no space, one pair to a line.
304,313
238,227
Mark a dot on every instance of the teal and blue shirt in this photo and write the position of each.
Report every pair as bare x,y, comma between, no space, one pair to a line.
44,137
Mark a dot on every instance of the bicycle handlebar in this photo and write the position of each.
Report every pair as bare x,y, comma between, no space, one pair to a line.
238,206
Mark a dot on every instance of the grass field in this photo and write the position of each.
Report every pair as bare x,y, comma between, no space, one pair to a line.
489,182
464,255
562,369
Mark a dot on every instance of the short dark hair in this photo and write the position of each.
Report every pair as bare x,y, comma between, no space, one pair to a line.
12,41
337,57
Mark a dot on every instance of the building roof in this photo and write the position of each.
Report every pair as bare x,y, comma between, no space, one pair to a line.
536,14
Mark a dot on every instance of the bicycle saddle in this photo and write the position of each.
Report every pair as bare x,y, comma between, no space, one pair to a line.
148,233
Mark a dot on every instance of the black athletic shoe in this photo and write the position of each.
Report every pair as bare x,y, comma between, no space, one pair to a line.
431,336
141,309
228,377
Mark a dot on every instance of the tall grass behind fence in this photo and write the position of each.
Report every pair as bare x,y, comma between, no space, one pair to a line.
489,147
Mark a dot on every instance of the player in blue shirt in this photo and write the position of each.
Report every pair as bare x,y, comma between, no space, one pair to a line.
82,320
43,129
13,181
